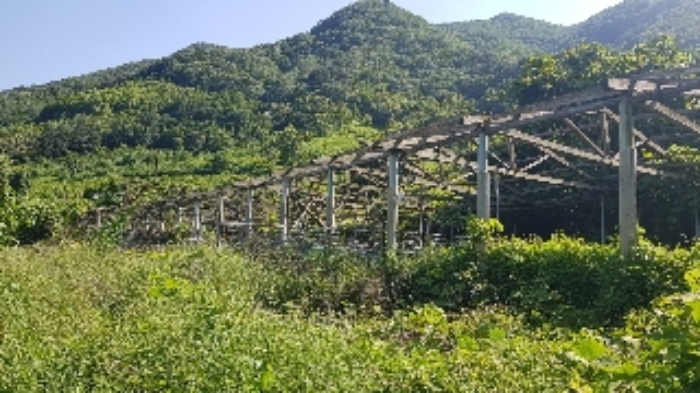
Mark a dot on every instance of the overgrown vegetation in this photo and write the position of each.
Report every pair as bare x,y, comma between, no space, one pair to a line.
517,316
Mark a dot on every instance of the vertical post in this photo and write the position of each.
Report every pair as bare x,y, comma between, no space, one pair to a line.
284,211
421,218
393,203
330,204
249,213
197,224
179,215
497,191
628,180
511,153
697,225
605,137
483,198
98,217
220,218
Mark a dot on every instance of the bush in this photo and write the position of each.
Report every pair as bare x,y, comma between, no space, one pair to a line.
562,281
26,221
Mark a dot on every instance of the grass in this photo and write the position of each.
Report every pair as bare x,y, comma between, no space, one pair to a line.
73,318
78,318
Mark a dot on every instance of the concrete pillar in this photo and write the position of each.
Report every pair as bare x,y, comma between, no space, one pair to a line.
284,211
605,136
628,180
249,214
421,218
330,203
697,225
393,203
483,198
511,154
220,218
497,192
197,222
98,217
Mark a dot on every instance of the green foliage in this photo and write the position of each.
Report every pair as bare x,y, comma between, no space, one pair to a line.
207,115
633,21
590,65
186,320
84,318
562,281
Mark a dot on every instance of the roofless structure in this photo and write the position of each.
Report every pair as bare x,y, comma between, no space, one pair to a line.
561,143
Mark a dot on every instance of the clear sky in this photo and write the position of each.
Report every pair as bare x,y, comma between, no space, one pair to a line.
45,40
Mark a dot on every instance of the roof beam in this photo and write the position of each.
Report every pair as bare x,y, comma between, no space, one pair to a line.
574,152
673,115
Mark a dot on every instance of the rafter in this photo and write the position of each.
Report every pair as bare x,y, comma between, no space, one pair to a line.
574,152
583,136
675,116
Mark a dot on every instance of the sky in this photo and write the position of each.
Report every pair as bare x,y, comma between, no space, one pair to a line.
46,40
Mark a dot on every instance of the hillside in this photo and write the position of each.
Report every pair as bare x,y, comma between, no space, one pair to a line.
512,36
208,115
371,63
621,26
633,21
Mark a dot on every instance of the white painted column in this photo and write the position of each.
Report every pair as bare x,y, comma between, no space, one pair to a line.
284,211
330,203
249,214
98,217
628,180
497,191
197,223
220,218
483,178
393,203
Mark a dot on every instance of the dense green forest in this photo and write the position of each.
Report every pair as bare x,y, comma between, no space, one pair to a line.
208,115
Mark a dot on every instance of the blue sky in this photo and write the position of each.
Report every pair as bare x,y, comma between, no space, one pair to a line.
45,40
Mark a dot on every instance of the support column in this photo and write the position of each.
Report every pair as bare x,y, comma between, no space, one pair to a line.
421,218
249,214
330,204
98,217
697,225
497,191
483,198
628,180
605,136
197,223
220,218
284,211
511,154
393,203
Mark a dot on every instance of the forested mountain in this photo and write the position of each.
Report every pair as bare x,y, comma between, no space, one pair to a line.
371,64
621,26
633,21
154,127
513,37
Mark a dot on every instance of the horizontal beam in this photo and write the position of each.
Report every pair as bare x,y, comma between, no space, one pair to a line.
574,152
